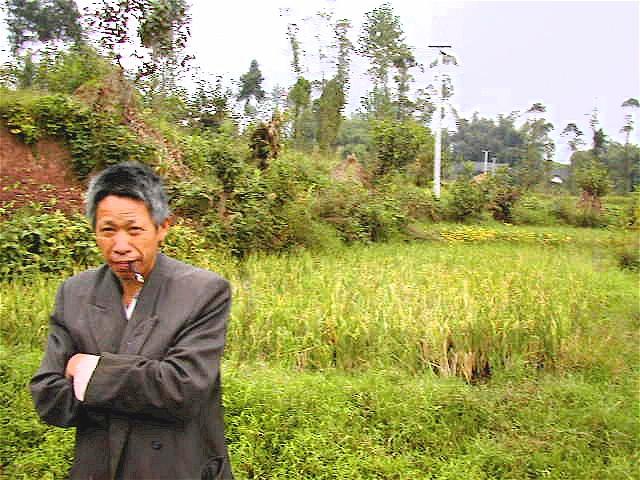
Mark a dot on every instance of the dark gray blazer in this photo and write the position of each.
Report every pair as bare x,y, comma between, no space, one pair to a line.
152,409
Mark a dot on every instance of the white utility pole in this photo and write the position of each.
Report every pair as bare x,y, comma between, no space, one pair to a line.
437,157
437,160
486,160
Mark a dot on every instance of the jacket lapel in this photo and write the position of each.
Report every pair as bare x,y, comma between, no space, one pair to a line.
144,317
106,316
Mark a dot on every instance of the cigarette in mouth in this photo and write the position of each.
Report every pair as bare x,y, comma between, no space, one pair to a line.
137,275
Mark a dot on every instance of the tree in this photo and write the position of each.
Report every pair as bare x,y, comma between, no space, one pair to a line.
300,103
592,178
402,62
210,105
42,21
382,43
628,164
330,107
476,134
534,164
162,32
251,84
574,136
397,144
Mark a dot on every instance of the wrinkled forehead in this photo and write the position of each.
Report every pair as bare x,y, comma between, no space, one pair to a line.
118,208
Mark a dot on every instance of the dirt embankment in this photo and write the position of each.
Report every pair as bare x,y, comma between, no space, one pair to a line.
39,173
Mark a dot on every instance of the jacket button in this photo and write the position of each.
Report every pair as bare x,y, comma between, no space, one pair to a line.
156,445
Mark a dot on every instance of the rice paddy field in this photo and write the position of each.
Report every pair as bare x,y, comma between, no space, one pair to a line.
478,353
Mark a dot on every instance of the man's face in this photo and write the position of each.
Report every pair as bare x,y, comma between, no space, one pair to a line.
127,236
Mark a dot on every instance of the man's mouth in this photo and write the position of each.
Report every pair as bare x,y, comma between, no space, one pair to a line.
124,265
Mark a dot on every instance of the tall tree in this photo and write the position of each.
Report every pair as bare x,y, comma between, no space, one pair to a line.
382,43
163,29
42,21
403,62
251,84
535,160
574,136
330,107
628,164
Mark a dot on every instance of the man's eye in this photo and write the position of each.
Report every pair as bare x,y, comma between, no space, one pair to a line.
135,230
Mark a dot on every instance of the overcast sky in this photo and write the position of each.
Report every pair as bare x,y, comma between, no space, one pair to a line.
570,55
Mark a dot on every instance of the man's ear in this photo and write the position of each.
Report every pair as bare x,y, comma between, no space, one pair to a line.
163,229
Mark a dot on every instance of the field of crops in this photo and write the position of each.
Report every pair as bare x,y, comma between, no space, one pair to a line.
502,353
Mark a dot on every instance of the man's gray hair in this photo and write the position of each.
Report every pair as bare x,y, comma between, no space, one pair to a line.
132,180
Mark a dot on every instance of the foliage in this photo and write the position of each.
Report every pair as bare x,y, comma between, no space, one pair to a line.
593,178
465,199
354,137
397,144
95,139
502,194
36,241
382,42
358,214
66,71
628,255
162,31
42,21
500,137
416,203
251,84
531,210
300,103
330,106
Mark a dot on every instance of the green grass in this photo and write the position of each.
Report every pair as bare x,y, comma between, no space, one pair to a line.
283,424
490,352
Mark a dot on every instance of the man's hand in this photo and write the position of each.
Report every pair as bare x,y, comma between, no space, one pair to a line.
80,367
74,363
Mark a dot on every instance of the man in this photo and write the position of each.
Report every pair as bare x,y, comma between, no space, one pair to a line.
133,354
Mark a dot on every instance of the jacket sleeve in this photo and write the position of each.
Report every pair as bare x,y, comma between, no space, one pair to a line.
173,387
51,391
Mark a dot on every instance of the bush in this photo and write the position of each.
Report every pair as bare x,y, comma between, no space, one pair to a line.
359,214
33,240
416,203
568,211
502,195
531,210
397,144
96,140
465,200
628,255
64,71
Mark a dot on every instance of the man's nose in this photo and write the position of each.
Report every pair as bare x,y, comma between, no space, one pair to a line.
121,244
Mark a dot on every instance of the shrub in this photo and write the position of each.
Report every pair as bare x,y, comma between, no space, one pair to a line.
632,213
33,240
502,195
628,255
359,214
96,140
531,210
584,215
416,203
64,71
465,200
397,144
